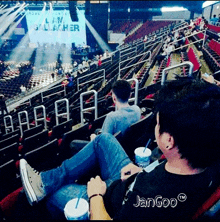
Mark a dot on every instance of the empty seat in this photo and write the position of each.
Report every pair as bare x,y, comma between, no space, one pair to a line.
5,136
62,128
8,153
32,131
34,141
9,141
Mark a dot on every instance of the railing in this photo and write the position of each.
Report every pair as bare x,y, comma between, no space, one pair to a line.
90,108
63,90
11,126
174,67
103,76
133,65
23,123
134,51
135,98
203,40
67,113
40,119
187,26
177,26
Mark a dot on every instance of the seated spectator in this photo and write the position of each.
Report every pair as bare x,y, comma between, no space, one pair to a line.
166,52
119,120
174,190
214,19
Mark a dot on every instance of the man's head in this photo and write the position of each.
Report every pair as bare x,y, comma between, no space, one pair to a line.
121,90
188,119
214,16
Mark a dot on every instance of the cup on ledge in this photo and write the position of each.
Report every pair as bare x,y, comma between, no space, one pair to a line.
79,213
142,156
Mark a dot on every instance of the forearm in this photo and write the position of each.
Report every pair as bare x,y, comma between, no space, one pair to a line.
97,209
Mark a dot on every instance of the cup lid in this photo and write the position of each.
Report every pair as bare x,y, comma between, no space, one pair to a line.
82,208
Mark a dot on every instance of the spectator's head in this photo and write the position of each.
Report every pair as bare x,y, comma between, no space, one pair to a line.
188,121
214,16
121,90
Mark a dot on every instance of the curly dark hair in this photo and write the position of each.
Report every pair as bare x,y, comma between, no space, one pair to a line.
189,110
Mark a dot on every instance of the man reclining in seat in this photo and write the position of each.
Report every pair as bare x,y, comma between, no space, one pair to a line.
118,120
187,132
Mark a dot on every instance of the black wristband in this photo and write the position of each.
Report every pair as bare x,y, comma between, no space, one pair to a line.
94,195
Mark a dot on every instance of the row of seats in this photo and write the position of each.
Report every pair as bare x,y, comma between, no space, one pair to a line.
147,28
211,56
194,60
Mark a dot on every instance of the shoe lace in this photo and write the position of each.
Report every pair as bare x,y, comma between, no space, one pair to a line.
35,171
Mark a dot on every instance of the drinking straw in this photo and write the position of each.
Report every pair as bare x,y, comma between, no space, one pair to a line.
147,145
77,203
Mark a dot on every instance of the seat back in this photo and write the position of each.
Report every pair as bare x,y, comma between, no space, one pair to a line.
5,136
97,123
138,134
62,128
35,141
44,157
81,133
9,141
32,131
8,153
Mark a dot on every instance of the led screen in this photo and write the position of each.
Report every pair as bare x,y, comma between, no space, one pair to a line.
56,27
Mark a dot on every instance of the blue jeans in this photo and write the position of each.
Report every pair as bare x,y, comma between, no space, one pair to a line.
104,150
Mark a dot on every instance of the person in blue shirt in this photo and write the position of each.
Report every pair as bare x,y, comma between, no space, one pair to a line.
118,120
214,19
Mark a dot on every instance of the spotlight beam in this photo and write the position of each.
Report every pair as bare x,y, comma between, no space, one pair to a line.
17,51
10,19
3,17
12,28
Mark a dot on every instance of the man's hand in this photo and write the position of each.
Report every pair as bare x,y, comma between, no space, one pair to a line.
129,170
96,186
92,136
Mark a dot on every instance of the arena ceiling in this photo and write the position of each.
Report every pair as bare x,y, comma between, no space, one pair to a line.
195,6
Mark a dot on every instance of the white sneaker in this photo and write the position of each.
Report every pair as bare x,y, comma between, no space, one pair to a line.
32,183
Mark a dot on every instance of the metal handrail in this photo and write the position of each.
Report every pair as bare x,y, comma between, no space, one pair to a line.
135,63
135,51
95,107
62,114
135,98
10,126
92,79
24,123
176,26
191,43
63,90
176,66
40,119
187,26
189,36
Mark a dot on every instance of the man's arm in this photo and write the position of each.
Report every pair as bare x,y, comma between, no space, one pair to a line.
97,209
96,188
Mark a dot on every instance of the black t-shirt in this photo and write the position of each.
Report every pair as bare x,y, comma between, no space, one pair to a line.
160,195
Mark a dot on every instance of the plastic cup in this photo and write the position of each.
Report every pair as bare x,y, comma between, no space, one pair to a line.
142,158
79,213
